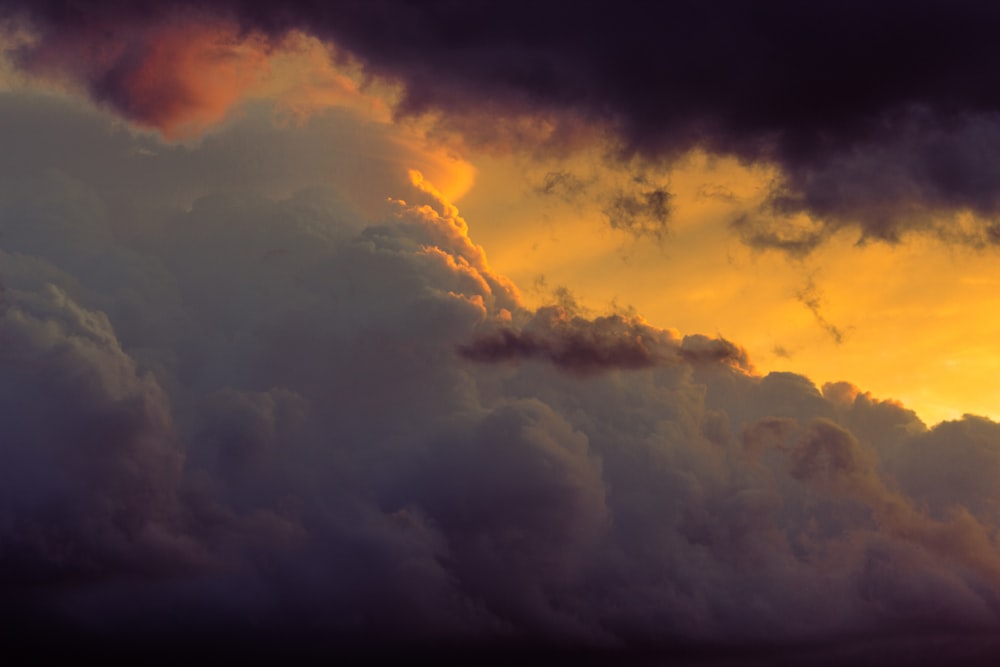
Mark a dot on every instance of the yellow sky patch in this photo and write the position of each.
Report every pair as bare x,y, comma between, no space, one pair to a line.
918,322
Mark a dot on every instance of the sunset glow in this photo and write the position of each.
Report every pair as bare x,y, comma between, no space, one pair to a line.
916,321
521,333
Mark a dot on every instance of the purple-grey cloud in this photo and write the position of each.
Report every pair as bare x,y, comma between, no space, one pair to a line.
580,345
212,446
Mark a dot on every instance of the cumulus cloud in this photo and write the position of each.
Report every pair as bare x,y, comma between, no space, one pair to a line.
91,456
875,115
273,418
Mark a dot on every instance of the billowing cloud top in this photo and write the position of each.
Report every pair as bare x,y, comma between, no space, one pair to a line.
878,115
254,423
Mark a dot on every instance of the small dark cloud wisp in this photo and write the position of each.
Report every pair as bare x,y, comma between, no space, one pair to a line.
578,345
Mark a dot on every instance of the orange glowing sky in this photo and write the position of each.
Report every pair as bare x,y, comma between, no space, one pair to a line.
916,321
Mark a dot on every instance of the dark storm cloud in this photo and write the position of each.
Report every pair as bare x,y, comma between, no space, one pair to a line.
238,423
917,175
879,116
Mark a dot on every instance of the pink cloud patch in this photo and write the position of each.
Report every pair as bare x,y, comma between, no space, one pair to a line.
178,77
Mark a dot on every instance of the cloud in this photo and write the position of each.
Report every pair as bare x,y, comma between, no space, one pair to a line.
270,417
92,460
810,297
179,75
583,346
643,214
922,173
640,207
563,184
870,128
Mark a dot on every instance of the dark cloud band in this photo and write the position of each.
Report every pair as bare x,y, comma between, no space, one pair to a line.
877,114
579,345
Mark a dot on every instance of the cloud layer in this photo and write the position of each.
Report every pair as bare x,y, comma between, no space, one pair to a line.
875,115
274,419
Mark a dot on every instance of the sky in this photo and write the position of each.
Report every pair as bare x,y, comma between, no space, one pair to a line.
520,332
